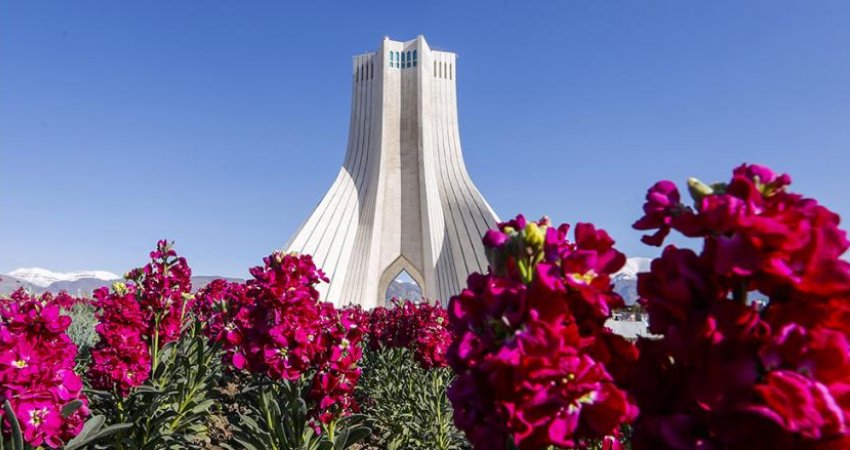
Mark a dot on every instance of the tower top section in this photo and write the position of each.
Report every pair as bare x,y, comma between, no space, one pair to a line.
418,43
403,55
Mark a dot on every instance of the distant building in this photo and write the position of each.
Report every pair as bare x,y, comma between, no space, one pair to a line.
629,329
403,200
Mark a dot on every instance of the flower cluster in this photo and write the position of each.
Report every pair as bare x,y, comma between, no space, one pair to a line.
754,349
137,319
337,370
419,327
122,359
535,365
62,299
37,371
274,325
162,287
224,309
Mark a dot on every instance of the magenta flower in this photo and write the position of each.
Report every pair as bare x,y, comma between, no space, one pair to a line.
728,372
137,319
37,370
419,327
274,325
525,339
662,202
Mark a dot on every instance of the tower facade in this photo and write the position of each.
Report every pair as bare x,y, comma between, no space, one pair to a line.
403,199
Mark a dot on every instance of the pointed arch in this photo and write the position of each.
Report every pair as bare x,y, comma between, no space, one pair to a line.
394,270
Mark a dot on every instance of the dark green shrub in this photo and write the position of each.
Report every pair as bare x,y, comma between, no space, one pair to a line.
406,405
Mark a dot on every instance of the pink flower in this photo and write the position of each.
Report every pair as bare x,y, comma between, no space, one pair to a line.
662,203
727,372
37,370
800,405
420,327
274,325
137,316
40,421
525,337
494,238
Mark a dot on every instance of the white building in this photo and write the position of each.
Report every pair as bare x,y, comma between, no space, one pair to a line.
403,199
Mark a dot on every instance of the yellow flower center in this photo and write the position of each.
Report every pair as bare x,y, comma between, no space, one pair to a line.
37,416
585,278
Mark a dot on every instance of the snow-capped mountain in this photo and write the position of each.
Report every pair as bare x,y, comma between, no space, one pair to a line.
43,277
403,289
633,266
81,283
625,281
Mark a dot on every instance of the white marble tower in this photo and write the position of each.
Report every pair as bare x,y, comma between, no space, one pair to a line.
403,199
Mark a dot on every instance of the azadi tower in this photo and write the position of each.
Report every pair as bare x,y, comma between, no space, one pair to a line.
403,199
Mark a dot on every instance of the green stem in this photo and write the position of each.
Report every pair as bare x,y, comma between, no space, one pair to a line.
331,430
181,411
269,423
155,349
119,405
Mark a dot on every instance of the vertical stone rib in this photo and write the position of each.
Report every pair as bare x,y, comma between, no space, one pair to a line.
367,220
342,202
478,224
313,239
448,196
299,241
356,198
357,259
466,237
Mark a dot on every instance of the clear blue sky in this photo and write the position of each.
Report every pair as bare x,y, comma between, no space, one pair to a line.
220,124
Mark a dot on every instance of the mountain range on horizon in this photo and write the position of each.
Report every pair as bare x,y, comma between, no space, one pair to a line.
38,280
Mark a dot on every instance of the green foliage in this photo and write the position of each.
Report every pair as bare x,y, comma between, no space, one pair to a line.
93,431
406,404
277,419
170,410
82,329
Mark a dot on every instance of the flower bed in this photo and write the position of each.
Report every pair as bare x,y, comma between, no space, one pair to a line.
519,359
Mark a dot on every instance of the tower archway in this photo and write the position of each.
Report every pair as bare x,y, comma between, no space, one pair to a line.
396,268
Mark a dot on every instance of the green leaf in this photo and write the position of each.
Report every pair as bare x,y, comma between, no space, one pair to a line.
95,432
356,435
251,423
146,389
246,445
71,407
17,437
203,406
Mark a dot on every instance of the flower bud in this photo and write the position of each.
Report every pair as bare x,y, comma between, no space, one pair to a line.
494,239
534,236
120,288
698,190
